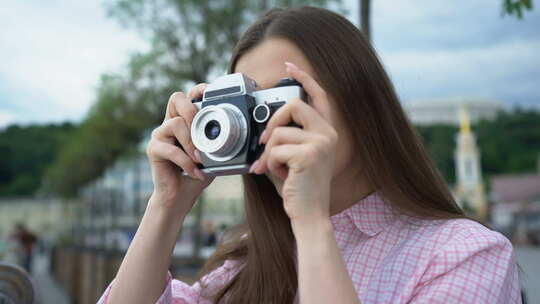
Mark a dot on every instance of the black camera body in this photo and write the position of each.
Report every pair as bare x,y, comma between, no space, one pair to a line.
230,119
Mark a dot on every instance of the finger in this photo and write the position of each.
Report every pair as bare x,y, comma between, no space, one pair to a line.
281,136
181,131
197,91
287,135
180,105
309,84
171,108
188,109
159,150
279,157
176,127
294,111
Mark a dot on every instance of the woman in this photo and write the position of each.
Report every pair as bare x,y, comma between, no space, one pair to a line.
347,209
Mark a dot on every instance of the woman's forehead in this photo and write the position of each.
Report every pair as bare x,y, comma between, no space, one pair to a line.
266,62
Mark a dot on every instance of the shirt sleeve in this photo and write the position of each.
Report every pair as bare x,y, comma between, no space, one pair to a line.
178,292
476,266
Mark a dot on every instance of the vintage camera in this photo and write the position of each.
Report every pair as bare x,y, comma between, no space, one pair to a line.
230,119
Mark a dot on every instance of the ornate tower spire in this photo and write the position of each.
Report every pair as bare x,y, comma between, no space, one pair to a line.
469,190
464,120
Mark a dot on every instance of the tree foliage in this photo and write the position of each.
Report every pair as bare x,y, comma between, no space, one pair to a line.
440,143
111,127
516,7
193,38
25,152
190,42
508,144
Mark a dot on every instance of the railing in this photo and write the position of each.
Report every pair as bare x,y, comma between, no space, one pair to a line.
85,273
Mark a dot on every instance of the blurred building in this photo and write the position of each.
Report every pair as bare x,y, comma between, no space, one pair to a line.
48,219
516,206
469,190
446,111
113,204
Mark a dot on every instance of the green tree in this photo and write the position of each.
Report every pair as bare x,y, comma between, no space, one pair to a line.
440,143
190,40
110,129
193,38
508,144
25,152
511,143
192,43
516,7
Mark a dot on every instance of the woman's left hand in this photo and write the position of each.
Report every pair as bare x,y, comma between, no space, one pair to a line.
303,158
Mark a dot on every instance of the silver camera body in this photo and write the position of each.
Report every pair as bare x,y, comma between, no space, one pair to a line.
230,119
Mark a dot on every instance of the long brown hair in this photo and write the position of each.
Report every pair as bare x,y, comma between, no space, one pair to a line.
394,160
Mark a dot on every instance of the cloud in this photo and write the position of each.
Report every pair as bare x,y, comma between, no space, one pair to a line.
508,72
438,49
6,119
427,25
53,54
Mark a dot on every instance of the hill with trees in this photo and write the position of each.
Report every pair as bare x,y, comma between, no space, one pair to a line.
30,154
508,144
26,152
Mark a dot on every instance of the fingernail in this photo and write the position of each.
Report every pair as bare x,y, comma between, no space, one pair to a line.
263,138
197,155
253,166
199,174
291,65
287,67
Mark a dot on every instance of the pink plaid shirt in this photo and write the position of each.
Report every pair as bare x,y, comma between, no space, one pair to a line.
392,260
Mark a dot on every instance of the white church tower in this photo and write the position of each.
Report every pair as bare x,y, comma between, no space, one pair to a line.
469,190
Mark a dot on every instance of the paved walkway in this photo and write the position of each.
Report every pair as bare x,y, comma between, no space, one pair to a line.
528,258
48,290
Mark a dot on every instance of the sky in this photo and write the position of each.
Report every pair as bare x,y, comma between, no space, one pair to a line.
53,53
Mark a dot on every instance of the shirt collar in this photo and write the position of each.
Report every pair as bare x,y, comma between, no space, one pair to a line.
370,215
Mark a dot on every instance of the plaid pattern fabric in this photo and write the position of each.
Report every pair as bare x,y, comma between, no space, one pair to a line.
396,259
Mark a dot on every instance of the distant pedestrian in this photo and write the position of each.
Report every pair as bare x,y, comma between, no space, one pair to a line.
209,235
27,241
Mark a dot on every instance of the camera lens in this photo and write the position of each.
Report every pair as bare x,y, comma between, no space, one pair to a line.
212,129
219,131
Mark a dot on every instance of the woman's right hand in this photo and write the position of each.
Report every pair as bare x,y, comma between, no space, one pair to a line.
173,190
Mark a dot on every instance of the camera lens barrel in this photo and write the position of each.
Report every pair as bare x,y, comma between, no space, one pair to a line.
220,131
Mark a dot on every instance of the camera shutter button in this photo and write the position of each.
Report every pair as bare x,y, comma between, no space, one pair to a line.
261,113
